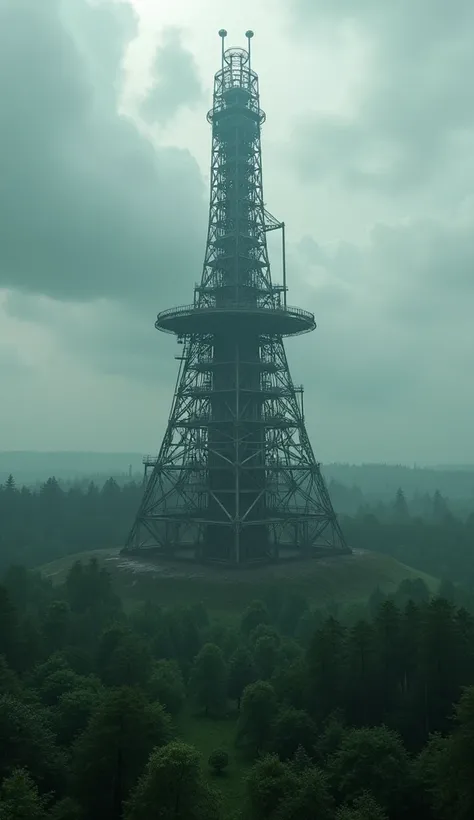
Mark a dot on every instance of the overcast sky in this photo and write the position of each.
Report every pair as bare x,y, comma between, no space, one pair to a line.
368,157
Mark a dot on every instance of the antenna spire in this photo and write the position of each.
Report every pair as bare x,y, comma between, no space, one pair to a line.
249,35
222,35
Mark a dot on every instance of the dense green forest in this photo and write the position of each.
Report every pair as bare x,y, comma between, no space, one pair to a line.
283,713
123,709
39,526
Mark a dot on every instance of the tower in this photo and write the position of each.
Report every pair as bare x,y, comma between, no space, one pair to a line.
235,480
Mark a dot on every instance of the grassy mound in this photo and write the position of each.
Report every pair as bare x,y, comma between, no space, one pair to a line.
345,579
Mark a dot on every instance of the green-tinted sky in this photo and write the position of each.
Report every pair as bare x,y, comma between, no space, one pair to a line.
368,156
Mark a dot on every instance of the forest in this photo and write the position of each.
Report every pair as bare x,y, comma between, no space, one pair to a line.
111,712
120,708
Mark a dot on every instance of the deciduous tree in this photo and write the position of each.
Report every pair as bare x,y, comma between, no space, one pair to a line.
20,798
293,729
310,799
372,759
110,754
364,807
255,614
241,672
167,686
269,783
208,680
257,715
173,788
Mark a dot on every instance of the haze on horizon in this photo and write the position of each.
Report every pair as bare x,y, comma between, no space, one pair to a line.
367,155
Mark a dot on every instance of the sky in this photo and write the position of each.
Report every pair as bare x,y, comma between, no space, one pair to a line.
367,156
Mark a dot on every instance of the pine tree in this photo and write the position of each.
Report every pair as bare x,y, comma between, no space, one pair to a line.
401,507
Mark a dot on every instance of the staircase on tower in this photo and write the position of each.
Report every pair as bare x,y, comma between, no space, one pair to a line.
236,481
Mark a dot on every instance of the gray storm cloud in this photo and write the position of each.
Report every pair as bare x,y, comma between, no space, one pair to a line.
100,228
414,113
391,313
175,80
90,208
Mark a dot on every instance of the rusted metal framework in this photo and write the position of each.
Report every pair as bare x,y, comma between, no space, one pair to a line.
236,480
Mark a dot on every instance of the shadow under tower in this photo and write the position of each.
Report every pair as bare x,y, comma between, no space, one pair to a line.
236,480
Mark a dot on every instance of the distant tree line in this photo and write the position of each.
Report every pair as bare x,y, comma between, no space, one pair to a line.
372,721
381,481
350,498
39,526
438,543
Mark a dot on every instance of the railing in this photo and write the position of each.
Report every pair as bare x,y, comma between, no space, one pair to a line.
206,419
267,391
294,311
275,288
263,364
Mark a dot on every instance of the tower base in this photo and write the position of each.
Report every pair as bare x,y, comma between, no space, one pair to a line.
188,556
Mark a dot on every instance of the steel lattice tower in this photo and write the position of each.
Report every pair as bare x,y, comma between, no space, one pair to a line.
236,480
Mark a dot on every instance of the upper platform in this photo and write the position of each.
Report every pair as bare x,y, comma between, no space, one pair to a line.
190,319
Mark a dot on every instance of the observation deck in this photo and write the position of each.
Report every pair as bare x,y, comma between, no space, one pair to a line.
237,319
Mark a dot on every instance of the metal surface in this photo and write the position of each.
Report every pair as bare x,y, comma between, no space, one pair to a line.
236,480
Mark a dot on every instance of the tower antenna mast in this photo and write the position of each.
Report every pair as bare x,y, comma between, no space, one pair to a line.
249,35
222,35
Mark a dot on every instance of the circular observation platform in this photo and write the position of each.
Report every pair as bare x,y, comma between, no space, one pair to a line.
189,320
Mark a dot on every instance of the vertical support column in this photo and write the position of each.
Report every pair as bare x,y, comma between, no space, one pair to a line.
237,454
283,251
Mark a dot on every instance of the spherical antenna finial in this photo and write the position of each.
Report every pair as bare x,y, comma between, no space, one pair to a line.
249,34
222,33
